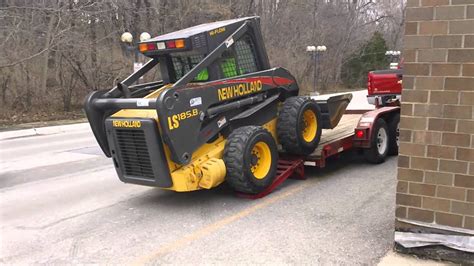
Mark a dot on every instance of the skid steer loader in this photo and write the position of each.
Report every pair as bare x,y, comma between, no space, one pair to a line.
220,112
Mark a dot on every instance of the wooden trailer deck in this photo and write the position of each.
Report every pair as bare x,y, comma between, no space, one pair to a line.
333,141
343,131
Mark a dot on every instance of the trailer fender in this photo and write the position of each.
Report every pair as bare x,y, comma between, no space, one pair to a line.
364,129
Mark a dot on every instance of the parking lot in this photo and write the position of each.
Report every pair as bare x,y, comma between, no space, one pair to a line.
61,202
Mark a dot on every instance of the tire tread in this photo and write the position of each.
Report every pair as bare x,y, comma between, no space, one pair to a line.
287,121
234,162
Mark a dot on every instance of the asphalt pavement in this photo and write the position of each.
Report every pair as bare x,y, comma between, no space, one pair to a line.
61,202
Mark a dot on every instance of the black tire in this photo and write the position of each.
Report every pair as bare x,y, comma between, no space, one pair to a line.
393,134
239,159
378,144
291,125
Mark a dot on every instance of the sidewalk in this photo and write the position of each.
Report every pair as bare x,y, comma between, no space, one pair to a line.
47,130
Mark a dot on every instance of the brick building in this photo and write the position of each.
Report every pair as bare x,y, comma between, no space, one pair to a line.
435,192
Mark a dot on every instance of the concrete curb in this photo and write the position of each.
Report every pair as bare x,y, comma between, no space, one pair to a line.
44,131
394,258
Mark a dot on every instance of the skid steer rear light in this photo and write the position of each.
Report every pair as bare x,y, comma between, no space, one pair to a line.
179,43
151,46
170,44
175,44
160,45
143,47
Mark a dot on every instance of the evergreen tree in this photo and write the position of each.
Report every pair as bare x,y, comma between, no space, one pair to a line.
371,56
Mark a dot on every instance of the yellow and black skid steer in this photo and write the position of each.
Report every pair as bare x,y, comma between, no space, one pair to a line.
219,113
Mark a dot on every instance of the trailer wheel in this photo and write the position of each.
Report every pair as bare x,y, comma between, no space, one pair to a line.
251,159
379,143
298,125
394,134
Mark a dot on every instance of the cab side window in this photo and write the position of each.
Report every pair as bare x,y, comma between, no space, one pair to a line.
228,64
246,57
240,59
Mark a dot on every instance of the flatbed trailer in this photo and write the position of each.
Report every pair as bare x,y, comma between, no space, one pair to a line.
355,131
334,141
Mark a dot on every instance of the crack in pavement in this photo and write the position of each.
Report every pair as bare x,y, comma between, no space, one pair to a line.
73,216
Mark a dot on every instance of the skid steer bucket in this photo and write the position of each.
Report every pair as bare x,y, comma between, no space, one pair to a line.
332,108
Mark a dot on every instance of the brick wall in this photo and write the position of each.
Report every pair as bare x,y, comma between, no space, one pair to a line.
436,162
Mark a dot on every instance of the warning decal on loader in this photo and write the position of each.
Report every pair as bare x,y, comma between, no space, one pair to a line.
229,42
195,101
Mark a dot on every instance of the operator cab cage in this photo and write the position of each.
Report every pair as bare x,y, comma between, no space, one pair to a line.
217,75
178,52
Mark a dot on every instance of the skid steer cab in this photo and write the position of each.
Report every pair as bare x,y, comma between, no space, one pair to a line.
220,112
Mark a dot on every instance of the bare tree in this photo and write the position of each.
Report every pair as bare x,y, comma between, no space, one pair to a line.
52,53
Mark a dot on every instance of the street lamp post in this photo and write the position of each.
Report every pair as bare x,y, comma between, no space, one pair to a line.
394,58
316,53
131,46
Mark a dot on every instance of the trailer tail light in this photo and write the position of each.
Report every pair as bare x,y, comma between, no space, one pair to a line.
361,134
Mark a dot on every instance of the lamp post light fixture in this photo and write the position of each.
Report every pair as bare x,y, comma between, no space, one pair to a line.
126,37
316,53
145,36
131,46
394,58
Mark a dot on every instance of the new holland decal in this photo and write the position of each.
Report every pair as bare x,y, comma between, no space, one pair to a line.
127,123
238,90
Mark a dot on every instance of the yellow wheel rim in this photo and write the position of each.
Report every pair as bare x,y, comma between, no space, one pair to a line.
261,160
310,125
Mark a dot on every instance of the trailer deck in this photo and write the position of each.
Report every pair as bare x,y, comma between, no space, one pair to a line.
334,141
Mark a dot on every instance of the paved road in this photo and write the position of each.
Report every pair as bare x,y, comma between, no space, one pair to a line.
61,202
